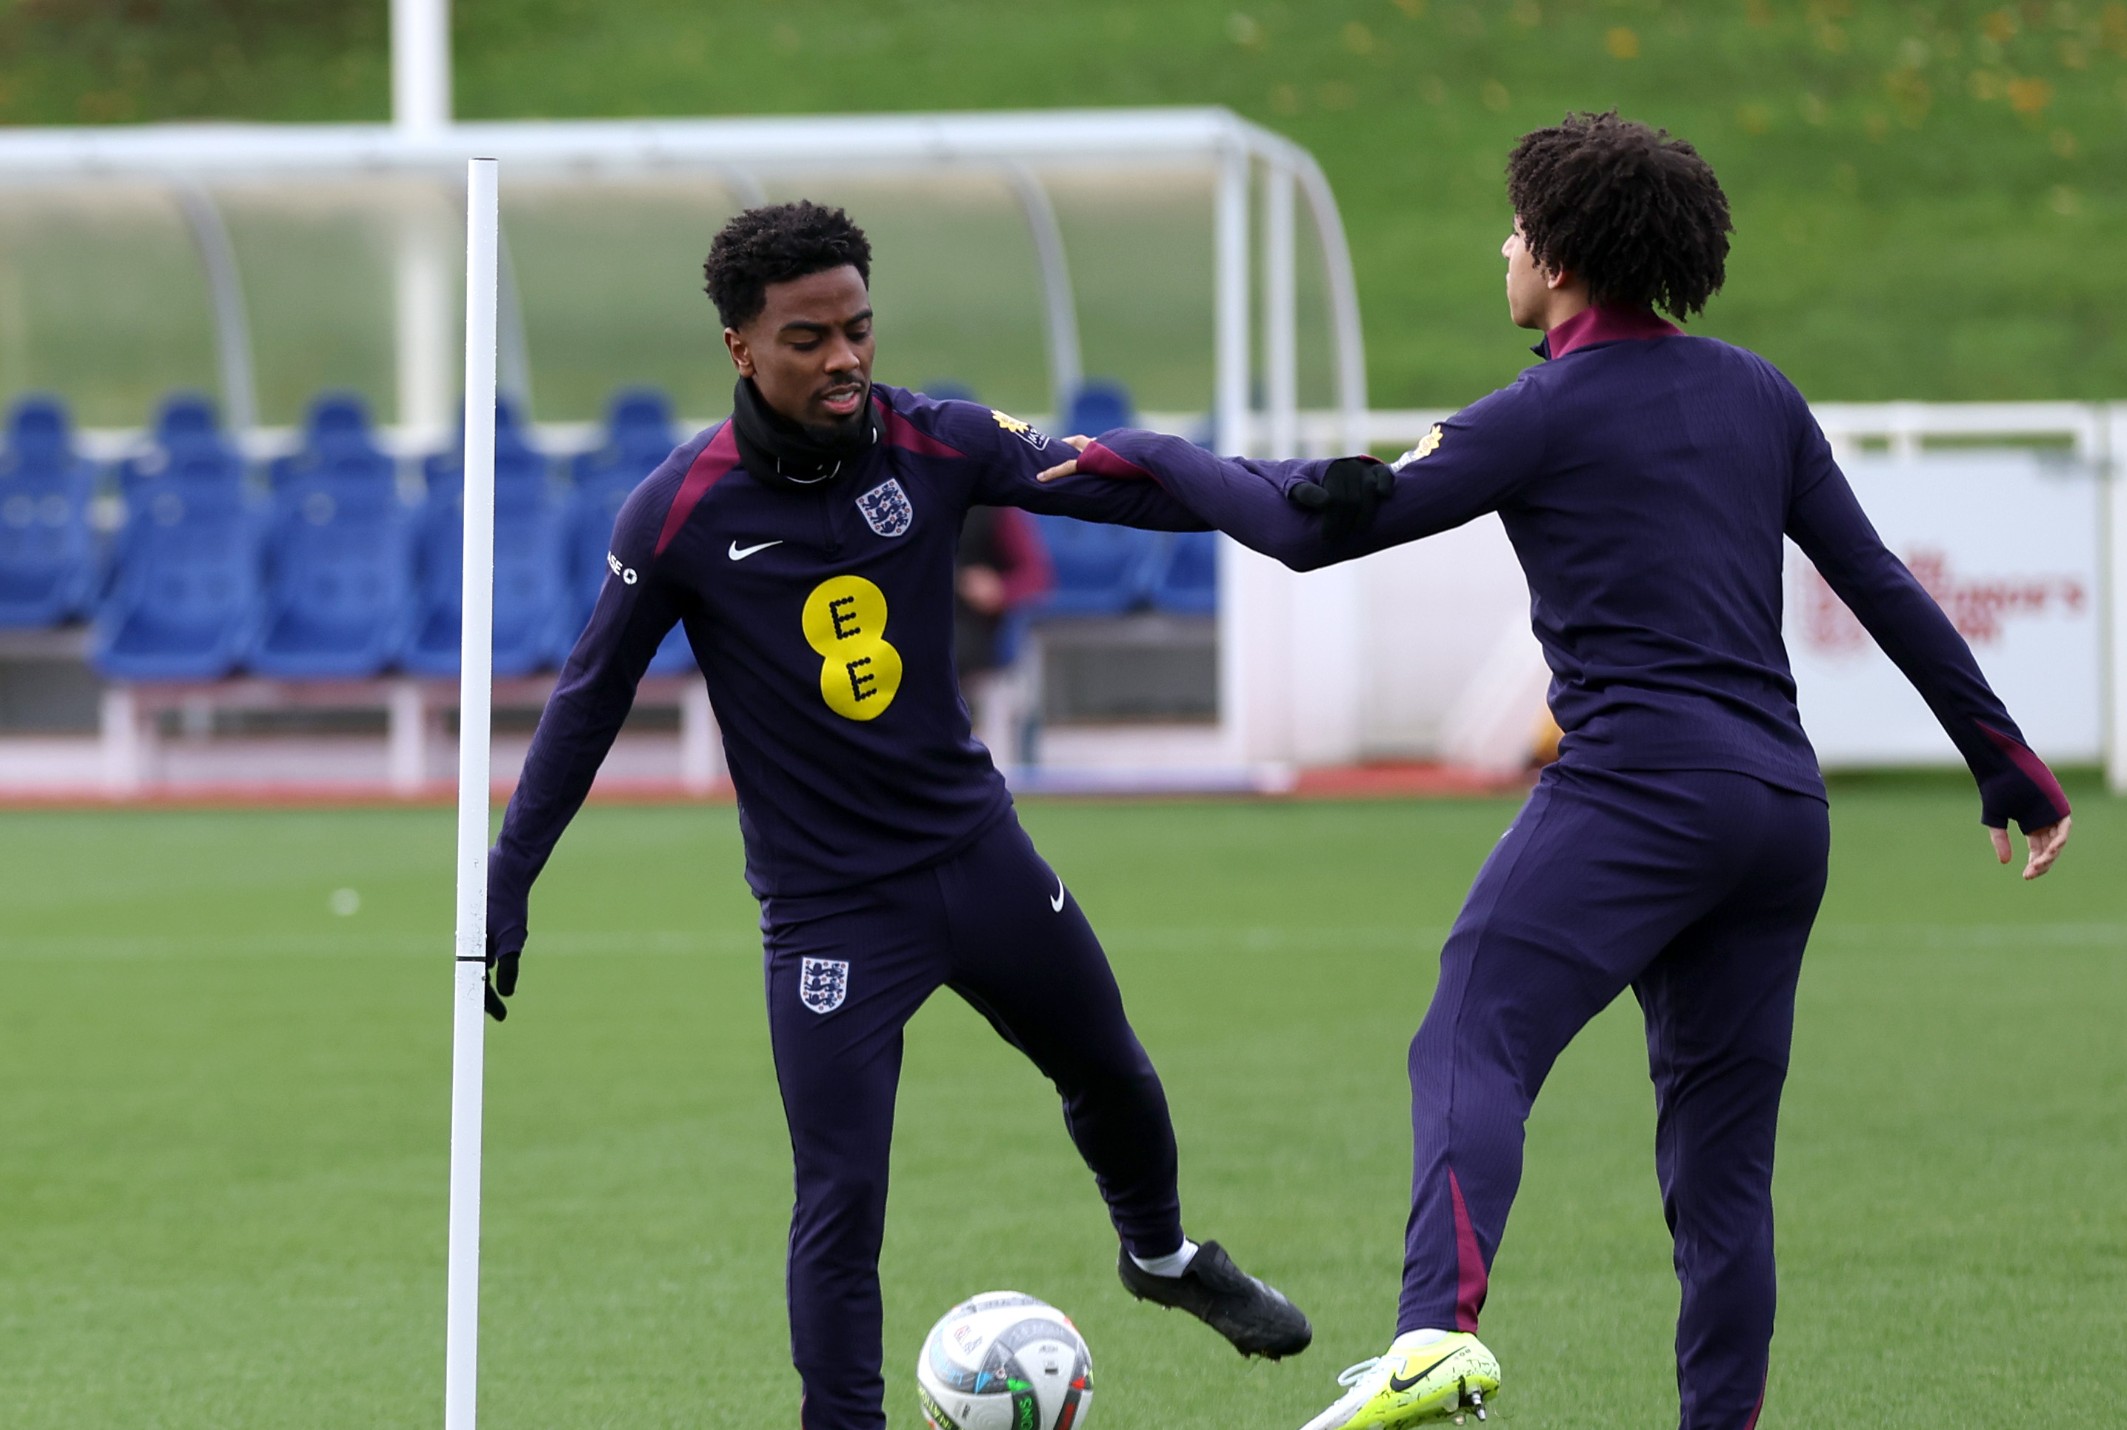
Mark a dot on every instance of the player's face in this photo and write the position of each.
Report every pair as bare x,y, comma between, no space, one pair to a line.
809,350
1528,286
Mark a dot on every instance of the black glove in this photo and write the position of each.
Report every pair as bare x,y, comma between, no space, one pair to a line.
1349,494
505,934
501,980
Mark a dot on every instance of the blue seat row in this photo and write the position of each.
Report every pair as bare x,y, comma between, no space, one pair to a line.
330,573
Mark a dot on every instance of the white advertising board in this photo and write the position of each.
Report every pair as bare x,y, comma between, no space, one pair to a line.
2008,544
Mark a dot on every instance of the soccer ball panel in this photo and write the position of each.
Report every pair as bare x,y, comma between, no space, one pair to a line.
1004,1361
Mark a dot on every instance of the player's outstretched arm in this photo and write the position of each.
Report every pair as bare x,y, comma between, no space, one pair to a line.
1828,524
1242,497
634,612
1315,513
1009,456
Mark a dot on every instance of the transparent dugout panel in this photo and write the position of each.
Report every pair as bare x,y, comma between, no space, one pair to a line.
103,299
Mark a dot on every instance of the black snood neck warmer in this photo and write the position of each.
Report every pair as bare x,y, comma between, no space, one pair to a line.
784,453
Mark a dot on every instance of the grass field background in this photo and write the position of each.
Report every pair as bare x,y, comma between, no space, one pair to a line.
223,1108
1922,191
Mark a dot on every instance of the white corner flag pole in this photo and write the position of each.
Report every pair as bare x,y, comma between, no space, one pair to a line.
475,695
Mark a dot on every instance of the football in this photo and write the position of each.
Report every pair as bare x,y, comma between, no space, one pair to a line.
1004,1361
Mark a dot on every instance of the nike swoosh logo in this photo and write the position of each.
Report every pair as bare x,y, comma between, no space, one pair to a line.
740,553
1398,1384
1057,902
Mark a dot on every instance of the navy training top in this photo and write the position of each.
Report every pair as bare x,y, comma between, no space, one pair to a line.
822,620
1645,479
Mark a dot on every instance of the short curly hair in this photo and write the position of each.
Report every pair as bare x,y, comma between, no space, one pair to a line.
775,244
1638,215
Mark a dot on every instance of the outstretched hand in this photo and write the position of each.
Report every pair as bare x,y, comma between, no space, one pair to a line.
501,979
1350,492
2043,845
1067,467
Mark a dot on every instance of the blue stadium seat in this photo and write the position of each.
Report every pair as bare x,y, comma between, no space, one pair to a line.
47,549
639,435
39,430
203,473
337,575
1098,406
533,611
185,598
1101,570
513,439
337,421
1187,580
186,420
522,471
637,416
337,432
186,433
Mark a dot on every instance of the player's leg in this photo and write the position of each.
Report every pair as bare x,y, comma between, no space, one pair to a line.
1596,874
845,972
1026,958
1719,1006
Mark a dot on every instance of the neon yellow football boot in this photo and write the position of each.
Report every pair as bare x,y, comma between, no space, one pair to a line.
1426,1377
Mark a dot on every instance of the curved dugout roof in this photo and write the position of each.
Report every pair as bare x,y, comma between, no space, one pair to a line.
346,222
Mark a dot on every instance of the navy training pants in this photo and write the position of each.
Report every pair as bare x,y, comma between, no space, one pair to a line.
1697,890
845,973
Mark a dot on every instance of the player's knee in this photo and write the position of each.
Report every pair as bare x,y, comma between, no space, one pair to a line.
844,1209
1134,1087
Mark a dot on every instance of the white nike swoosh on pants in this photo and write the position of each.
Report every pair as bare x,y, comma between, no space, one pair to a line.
740,553
1057,902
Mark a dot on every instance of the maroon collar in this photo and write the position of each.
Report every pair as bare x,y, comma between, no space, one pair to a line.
1603,325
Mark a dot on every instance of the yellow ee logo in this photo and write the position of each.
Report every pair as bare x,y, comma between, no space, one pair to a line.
845,621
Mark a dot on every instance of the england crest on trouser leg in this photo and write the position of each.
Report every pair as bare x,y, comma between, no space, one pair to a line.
823,983
886,508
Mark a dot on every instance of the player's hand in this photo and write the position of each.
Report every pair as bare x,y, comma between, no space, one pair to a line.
1350,492
2042,845
500,979
1068,468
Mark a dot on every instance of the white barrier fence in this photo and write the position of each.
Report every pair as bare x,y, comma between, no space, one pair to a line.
2007,512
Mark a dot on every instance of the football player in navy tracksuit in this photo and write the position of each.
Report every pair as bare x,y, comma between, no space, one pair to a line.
1678,846
808,547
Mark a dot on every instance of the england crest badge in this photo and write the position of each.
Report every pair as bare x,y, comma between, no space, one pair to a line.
823,983
886,508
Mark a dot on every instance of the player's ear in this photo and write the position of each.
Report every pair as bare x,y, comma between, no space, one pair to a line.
741,354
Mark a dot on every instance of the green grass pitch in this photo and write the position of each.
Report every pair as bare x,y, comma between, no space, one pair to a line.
223,1127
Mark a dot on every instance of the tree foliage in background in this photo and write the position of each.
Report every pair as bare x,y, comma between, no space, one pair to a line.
117,61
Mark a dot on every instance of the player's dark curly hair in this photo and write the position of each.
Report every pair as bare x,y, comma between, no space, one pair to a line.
775,244
1635,213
